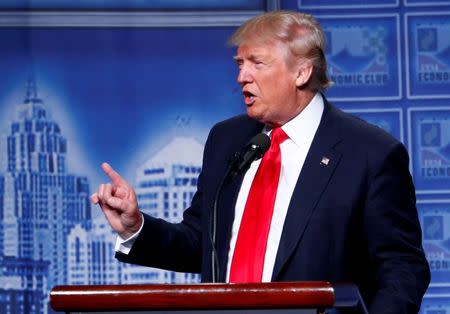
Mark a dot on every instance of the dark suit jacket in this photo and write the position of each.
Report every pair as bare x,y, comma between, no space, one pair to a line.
353,220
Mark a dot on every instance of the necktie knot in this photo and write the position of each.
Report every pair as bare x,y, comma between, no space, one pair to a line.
278,136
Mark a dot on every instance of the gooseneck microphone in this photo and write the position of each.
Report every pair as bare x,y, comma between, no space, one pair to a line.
239,163
254,150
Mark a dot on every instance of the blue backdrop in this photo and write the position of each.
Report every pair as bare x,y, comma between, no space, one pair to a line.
126,83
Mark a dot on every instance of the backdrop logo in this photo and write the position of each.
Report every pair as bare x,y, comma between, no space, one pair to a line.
433,228
362,56
361,61
432,61
434,217
429,45
430,135
435,149
430,145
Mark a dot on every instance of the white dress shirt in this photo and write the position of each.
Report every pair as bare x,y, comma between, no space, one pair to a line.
301,131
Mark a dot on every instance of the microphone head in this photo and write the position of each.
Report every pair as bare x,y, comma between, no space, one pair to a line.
260,142
254,150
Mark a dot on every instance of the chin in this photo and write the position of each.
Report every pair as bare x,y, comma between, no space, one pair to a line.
261,116
255,115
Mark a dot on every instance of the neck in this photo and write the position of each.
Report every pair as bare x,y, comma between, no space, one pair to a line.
304,98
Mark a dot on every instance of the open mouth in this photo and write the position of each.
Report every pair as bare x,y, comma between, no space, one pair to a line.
249,98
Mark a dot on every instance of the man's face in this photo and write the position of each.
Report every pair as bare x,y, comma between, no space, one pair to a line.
268,84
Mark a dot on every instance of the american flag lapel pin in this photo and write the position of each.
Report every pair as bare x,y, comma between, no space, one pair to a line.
325,161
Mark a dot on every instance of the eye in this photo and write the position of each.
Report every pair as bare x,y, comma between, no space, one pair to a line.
258,64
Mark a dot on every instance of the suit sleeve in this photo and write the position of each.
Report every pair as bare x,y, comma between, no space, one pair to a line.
394,236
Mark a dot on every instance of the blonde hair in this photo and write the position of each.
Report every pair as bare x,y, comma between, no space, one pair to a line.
299,31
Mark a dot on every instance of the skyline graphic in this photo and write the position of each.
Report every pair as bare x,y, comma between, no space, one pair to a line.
46,221
42,201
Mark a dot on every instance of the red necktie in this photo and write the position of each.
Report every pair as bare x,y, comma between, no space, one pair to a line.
248,258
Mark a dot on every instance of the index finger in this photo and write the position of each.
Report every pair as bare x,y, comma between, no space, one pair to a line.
116,179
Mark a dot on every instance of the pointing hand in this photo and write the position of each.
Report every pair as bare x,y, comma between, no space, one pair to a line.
118,202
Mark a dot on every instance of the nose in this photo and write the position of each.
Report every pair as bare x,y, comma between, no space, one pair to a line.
244,75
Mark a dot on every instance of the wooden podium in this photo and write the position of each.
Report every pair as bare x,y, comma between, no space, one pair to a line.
304,297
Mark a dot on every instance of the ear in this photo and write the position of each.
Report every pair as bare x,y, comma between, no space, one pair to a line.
304,74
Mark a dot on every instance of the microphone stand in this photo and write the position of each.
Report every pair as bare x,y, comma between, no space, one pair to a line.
229,174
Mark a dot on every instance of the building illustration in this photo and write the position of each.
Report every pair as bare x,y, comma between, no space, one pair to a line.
91,255
41,203
165,185
48,236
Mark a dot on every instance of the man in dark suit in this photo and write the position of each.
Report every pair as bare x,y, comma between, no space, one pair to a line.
340,205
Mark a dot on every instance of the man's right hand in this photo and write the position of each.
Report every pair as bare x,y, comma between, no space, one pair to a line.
119,204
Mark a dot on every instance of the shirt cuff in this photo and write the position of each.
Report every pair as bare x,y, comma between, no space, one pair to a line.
124,245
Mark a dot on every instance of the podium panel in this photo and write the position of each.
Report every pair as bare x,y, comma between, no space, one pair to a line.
253,298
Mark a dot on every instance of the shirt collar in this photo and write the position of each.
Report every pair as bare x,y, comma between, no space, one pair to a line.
302,128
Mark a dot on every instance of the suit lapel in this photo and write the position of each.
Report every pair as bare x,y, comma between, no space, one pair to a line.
313,179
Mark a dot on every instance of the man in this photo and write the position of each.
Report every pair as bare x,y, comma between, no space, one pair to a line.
338,203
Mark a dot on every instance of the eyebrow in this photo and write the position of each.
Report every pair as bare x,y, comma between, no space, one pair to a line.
251,57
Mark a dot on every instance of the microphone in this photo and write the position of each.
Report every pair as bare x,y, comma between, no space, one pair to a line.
254,150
